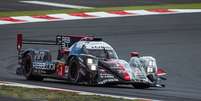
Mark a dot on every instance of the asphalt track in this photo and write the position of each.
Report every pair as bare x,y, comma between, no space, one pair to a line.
15,5
175,41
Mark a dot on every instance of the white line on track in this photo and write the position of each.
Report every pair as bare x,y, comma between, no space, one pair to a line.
56,4
67,90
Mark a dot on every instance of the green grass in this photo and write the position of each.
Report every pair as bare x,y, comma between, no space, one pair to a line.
43,12
29,94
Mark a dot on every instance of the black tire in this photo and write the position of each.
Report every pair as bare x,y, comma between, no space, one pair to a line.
27,62
74,71
152,77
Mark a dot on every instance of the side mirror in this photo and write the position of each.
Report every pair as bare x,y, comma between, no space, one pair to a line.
161,72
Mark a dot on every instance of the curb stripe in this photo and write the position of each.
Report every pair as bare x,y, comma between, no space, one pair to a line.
121,13
91,15
161,11
141,12
103,14
10,19
64,16
45,17
5,22
30,19
81,15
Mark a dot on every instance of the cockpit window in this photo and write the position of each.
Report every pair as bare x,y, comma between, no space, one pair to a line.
102,53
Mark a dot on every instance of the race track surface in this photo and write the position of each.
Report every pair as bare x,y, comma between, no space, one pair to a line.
174,40
15,5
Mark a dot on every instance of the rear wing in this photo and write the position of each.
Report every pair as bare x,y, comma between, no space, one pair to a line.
20,41
61,40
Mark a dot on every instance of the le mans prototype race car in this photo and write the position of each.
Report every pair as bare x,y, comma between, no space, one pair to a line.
86,60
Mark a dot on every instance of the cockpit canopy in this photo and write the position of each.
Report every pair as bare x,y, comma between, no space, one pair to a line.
99,49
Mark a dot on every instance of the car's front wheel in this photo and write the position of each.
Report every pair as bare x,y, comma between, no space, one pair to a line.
74,71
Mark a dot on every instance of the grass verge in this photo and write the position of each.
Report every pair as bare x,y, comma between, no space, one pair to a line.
29,94
43,12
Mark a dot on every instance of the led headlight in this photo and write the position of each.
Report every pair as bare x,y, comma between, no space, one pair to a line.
90,61
149,70
92,64
93,67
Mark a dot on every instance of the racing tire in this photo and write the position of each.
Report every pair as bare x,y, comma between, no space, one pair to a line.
28,70
152,77
74,71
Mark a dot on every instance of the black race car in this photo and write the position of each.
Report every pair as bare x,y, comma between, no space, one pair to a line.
87,60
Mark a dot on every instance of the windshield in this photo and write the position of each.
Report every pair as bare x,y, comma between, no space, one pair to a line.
102,53
135,62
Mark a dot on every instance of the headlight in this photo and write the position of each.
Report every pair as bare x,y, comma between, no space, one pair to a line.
92,64
149,70
93,67
89,61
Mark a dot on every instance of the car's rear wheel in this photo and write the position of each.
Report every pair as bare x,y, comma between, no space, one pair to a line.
28,70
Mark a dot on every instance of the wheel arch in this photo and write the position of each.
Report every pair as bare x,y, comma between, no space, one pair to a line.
70,58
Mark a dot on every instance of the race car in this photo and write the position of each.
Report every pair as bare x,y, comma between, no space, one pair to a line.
86,60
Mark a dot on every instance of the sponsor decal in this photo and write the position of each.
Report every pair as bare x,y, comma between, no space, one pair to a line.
107,80
43,66
60,69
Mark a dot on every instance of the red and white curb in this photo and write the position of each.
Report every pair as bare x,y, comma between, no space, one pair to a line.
91,15
5,83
